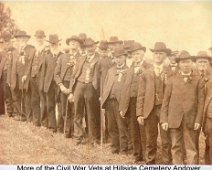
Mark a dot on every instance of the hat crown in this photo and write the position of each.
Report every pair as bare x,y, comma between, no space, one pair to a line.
103,45
89,42
202,54
160,46
114,39
21,33
40,33
119,51
137,45
53,38
128,44
82,36
184,54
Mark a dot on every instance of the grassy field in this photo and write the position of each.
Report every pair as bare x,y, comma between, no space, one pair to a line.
23,143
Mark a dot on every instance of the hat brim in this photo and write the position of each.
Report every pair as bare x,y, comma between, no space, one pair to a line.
22,36
73,39
136,49
204,57
89,45
53,42
167,51
180,59
121,54
114,42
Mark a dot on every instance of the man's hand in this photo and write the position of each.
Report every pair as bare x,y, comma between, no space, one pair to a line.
140,120
24,78
63,89
71,98
165,126
196,126
122,114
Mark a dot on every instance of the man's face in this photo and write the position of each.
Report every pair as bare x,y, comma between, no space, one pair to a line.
120,60
102,52
159,57
22,41
54,47
40,40
74,45
185,65
137,55
202,64
172,59
91,50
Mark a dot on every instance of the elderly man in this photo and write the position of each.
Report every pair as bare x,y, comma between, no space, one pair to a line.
62,75
85,87
50,87
149,101
183,117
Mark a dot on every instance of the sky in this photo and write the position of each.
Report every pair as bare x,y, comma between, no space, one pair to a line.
181,25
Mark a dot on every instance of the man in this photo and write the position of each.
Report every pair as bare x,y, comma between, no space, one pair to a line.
129,98
85,88
182,110
127,45
172,58
50,87
149,100
117,125
36,81
19,74
3,73
63,74
113,43
203,68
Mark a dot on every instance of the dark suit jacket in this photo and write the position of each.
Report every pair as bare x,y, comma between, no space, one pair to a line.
3,59
183,101
109,81
25,70
125,95
62,67
49,67
146,91
78,71
12,70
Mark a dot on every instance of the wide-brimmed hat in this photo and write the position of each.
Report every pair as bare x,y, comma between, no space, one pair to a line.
103,45
82,36
184,55
160,47
119,51
73,38
202,54
53,39
114,39
40,34
6,36
89,42
21,34
137,46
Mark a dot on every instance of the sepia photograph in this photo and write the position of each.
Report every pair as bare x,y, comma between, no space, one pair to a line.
106,83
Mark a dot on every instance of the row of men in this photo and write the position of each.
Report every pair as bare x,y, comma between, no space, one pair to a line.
137,97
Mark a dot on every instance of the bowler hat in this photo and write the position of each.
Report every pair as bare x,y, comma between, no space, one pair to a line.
160,47
103,45
119,51
40,34
73,38
203,54
89,42
53,39
6,36
21,34
184,55
114,39
137,46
